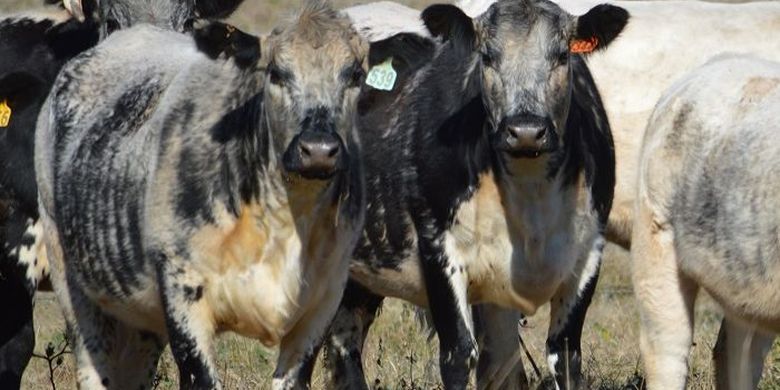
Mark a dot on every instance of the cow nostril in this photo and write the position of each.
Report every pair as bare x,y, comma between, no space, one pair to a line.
333,151
305,150
541,133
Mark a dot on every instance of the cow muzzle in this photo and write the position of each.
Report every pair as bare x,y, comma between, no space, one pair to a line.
315,155
526,136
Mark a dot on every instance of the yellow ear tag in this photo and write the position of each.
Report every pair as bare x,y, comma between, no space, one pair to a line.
382,76
5,114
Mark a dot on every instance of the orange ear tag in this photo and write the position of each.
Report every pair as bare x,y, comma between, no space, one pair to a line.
5,114
583,45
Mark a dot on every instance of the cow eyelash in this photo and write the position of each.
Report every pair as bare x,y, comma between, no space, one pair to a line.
487,59
278,76
563,58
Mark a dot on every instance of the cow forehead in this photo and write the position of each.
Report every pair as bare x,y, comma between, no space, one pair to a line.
511,23
302,55
152,11
319,37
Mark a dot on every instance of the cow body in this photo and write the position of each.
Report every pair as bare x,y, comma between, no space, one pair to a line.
196,222
706,219
457,214
33,48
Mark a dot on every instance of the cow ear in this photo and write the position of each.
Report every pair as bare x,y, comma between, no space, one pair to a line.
450,23
409,52
216,9
217,38
71,38
597,28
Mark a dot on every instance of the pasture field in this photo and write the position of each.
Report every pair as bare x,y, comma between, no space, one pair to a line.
398,353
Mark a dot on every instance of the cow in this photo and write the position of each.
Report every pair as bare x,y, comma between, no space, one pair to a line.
489,177
635,72
33,48
706,195
183,196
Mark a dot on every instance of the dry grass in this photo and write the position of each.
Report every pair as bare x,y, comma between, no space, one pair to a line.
398,355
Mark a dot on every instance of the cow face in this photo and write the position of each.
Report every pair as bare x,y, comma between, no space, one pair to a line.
176,15
521,52
314,75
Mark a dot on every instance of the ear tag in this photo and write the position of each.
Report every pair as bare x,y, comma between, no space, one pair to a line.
382,76
5,114
583,45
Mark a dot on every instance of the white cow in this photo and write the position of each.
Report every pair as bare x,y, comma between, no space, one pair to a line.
707,220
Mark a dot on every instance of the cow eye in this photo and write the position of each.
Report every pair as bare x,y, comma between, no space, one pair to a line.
563,58
277,76
487,60
188,25
356,79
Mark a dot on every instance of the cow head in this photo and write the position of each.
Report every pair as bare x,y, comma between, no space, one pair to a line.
316,66
520,54
177,15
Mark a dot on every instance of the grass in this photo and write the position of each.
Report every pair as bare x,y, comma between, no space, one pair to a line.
398,354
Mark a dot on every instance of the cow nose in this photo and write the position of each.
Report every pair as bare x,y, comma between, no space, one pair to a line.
527,136
319,154
318,150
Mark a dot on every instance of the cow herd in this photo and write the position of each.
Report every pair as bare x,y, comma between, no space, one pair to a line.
172,177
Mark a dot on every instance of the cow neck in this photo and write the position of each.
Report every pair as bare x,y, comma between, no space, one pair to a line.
449,84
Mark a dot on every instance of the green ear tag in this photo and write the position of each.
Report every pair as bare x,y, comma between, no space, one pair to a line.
382,76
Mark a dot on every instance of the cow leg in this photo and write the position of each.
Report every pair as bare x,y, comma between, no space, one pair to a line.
17,335
343,345
299,347
500,362
21,268
190,325
739,356
446,285
665,300
567,315
108,354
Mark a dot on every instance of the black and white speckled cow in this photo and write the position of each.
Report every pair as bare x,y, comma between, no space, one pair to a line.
490,173
33,48
182,197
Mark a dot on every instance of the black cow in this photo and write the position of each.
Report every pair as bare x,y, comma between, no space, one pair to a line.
490,174
33,48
